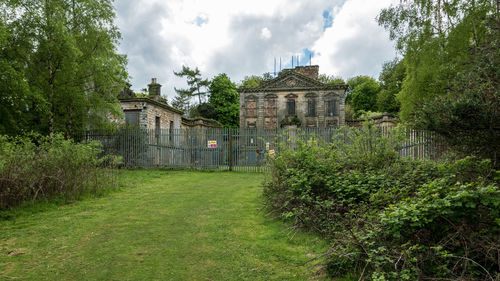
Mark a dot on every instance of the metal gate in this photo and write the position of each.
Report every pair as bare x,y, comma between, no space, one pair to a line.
223,148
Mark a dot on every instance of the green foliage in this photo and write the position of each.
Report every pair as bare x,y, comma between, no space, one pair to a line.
389,218
331,80
362,94
63,64
468,115
34,168
15,97
205,110
255,81
391,80
197,86
225,101
451,57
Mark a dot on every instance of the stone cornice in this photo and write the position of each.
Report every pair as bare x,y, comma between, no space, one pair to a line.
151,101
290,89
201,121
276,84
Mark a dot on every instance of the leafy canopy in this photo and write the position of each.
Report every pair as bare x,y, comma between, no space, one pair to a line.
63,62
225,101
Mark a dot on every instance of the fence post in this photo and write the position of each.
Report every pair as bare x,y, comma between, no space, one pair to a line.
230,160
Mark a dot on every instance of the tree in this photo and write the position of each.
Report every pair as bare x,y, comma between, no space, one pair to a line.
67,50
451,57
391,81
16,101
225,100
181,101
255,81
434,36
205,110
362,94
197,85
468,116
330,80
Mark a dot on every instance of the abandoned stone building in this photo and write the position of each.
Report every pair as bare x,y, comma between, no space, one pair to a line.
151,111
294,98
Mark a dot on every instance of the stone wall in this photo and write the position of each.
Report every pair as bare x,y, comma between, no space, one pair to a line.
263,118
309,71
149,112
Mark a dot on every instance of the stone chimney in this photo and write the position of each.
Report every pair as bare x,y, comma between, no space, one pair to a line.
154,89
309,71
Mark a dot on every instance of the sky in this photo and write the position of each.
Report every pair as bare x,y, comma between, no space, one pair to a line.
243,38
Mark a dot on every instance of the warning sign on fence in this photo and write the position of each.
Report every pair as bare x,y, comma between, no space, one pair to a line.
212,144
271,152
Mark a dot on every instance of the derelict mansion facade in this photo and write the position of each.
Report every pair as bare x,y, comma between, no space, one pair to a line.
295,98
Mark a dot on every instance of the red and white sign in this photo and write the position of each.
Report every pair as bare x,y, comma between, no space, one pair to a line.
212,144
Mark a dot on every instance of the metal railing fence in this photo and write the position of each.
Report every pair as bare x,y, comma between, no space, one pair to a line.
237,149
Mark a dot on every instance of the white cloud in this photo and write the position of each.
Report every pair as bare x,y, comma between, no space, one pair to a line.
265,33
243,37
354,44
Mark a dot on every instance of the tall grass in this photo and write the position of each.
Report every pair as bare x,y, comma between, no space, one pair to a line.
34,168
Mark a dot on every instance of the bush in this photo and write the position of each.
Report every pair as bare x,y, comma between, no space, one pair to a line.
390,218
34,168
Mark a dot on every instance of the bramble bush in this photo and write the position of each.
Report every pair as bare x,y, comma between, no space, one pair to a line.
390,218
33,168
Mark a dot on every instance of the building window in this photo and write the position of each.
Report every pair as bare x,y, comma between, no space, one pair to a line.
270,105
251,108
331,109
311,107
132,118
157,126
171,131
290,107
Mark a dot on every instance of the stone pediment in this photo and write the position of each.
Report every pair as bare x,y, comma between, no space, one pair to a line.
292,80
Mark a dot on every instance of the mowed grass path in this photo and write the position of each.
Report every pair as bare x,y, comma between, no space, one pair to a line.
162,225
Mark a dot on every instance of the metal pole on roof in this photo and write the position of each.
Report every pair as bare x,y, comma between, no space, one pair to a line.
274,67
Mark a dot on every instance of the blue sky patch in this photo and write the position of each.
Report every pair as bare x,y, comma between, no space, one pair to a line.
201,20
327,19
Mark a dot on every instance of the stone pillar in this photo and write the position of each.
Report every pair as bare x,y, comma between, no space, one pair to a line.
321,109
261,111
341,110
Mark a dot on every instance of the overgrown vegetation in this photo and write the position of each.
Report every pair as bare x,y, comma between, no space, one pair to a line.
35,168
59,66
452,77
390,218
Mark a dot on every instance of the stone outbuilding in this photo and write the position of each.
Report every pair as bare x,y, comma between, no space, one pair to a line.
151,111
294,98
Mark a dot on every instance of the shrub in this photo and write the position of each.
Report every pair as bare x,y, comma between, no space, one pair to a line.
390,218
34,168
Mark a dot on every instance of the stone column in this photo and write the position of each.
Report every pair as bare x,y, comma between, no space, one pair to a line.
321,109
261,111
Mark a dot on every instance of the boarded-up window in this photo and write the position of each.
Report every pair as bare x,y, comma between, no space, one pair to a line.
251,108
132,118
270,106
271,123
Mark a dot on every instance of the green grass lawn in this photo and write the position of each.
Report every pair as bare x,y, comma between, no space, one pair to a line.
160,226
